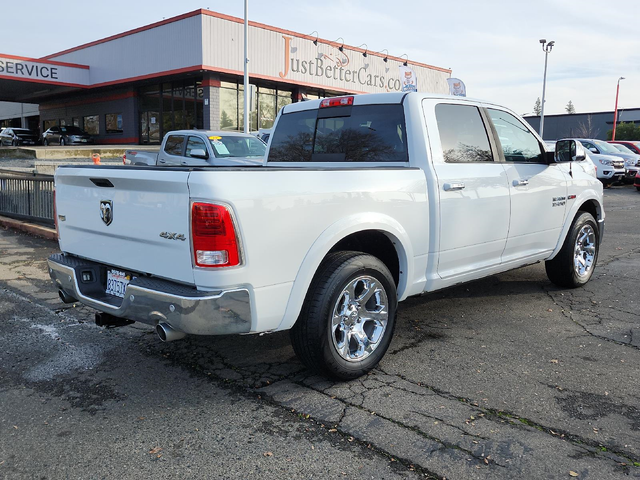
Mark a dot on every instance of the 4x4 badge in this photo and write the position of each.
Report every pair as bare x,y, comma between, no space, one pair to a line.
106,211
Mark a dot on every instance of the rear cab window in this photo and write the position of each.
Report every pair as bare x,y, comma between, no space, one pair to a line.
353,133
174,145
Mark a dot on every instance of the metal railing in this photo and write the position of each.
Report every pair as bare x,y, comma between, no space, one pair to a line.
27,196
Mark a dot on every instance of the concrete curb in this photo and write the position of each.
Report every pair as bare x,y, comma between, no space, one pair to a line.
32,228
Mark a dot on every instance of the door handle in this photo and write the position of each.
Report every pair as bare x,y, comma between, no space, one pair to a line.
162,161
448,187
520,183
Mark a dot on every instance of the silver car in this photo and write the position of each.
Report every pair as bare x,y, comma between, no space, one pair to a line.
631,161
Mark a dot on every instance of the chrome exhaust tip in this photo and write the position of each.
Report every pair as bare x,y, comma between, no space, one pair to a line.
168,333
65,297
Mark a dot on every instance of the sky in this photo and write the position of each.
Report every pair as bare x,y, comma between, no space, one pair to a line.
491,45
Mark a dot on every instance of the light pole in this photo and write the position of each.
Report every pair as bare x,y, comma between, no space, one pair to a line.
615,111
246,65
546,48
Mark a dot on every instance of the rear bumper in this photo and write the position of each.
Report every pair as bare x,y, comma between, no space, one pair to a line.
152,301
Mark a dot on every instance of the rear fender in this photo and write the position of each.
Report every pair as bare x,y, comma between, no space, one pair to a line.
332,236
585,197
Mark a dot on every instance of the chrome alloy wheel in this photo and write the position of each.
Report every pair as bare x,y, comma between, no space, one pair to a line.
585,251
359,318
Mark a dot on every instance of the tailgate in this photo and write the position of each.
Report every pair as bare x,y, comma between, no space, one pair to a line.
116,216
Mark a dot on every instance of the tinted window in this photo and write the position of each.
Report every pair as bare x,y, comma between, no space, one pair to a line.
462,134
364,133
173,145
518,143
194,143
72,130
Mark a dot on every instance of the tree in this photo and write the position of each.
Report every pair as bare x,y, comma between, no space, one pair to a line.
225,120
537,108
588,129
570,108
625,131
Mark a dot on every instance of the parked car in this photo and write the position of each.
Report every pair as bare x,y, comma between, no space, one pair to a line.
18,136
363,201
633,145
202,148
631,160
588,164
636,182
264,134
66,135
609,169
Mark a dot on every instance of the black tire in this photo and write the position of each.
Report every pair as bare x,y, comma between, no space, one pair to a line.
638,188
62,142
313,336
45,142
14,143
582,242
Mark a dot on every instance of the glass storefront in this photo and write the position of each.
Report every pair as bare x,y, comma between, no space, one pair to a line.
170,106
264,105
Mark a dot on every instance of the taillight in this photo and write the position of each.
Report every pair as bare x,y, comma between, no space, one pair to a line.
124,159
214,236
336,102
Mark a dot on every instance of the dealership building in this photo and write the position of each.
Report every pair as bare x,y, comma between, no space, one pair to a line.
187,72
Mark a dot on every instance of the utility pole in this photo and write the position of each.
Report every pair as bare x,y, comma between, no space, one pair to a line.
246,66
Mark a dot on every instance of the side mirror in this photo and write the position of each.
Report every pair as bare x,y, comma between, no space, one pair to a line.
569,151
199,153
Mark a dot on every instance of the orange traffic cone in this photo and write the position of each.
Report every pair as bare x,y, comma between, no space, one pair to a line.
96,158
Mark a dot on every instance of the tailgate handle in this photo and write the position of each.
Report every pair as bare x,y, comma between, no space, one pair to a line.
102,182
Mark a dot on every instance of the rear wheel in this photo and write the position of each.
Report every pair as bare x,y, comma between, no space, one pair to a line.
348,318
45,142
573,266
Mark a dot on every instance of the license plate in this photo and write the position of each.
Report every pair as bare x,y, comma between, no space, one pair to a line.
83,140
117,282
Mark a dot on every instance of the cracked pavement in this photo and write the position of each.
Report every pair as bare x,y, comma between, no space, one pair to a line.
501,378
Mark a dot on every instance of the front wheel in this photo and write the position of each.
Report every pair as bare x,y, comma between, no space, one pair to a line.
574,264
14,143
45,142
62,142
348,317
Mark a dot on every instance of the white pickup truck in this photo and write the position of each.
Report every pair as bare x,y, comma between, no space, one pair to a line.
202,148
361,202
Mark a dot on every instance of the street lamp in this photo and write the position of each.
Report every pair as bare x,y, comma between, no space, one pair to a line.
546,48
615,111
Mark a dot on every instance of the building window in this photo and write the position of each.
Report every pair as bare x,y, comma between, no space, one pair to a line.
75,121
91,124
62,122
113,122
264,105
47,124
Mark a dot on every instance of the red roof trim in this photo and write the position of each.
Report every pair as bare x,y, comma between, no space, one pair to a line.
88,101
46,82
222,16
127,33
39,60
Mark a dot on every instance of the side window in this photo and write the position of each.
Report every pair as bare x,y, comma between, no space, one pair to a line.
462,134
518,143
592,148
194,143
173,145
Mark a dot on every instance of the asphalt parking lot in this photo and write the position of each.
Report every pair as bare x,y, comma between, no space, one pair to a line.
508,377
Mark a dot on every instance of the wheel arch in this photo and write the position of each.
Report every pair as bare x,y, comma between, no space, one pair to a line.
376,234
588,203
